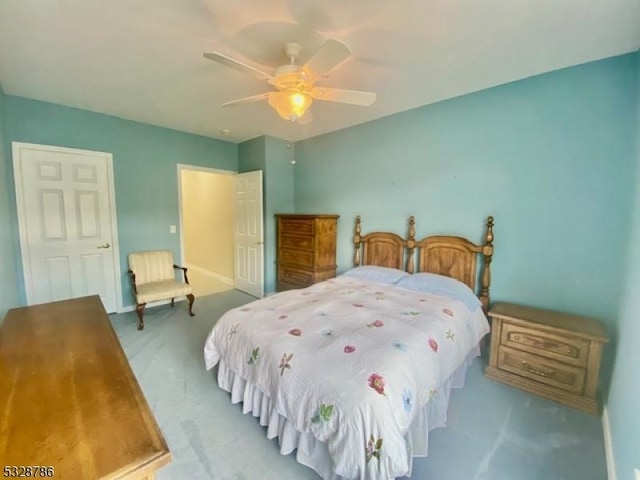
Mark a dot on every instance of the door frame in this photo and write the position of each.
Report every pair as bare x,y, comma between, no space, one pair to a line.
21,213
193,168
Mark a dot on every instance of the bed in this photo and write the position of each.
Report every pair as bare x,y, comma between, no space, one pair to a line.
352,373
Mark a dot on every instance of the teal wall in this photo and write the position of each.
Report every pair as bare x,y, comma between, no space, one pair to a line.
8,284
145,162
555,158
272,156
279,199
550,157
624,394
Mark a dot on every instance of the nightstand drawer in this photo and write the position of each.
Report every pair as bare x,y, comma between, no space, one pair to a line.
542,370
299,242
574,351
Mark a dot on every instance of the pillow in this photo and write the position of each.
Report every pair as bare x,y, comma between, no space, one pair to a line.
377,274
441,285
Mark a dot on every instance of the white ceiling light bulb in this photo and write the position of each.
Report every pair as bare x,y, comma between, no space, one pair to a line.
290,104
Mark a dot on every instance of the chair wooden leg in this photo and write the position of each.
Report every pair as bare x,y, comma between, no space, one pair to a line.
172,301
191,299
140,312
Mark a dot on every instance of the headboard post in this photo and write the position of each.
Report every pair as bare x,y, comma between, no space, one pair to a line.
356,242
411,244
487,252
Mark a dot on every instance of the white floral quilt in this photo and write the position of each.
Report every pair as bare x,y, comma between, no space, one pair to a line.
350,361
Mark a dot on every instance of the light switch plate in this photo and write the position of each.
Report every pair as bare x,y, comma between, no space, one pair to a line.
172,229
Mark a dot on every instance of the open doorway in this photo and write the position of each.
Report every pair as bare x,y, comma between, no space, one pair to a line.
207,227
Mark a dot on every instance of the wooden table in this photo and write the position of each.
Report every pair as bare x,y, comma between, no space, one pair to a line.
68,397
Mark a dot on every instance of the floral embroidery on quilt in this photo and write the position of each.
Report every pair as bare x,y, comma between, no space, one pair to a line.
254,356
448,311
407,400
296,332
377,324
349,349
451,335
234,330
376,381
282,317
379,295
399,346
323,414
358,305
328,333
285,363
433,344
372,449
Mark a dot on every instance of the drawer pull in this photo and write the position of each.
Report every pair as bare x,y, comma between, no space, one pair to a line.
541,373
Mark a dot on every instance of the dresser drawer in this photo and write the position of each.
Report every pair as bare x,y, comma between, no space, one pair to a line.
567,349
298,242
294,278
295,257
296,226
542,370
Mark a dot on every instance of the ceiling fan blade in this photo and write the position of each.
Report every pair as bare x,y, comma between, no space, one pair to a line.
353,97
253,98
331,53
230,62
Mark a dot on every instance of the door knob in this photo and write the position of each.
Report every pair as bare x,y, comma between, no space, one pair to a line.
104,245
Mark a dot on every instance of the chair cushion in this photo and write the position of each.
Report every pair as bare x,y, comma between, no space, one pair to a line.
152,266
162,290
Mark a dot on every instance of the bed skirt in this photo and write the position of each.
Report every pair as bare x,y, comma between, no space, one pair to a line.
312,452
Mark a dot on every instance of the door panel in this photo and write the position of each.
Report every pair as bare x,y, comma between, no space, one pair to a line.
249,261
66,214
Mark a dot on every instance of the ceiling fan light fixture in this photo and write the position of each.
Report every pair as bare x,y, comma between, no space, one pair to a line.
290,104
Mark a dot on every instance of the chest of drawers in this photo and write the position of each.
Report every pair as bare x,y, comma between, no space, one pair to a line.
550,354
306,249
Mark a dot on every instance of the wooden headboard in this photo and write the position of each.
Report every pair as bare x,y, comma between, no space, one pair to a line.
448,255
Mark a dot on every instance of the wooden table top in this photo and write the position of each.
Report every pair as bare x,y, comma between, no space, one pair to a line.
68,397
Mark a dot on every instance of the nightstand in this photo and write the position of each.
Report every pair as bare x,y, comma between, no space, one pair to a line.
551,354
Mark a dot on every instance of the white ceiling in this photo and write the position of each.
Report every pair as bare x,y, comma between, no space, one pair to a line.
142,59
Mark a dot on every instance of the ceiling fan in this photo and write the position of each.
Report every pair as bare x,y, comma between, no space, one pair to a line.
295,84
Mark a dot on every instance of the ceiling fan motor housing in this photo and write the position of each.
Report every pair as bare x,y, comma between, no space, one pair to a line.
291,77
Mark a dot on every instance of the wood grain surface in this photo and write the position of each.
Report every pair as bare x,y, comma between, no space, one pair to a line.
69,398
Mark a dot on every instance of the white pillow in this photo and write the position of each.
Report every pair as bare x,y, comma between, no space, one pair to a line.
441,285
374,273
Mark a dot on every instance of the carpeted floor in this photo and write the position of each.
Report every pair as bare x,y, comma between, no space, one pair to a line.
494,432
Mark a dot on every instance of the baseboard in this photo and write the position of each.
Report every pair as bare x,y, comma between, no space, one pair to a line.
209,273
608,446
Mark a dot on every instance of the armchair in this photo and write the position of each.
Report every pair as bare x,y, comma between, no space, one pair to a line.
153,278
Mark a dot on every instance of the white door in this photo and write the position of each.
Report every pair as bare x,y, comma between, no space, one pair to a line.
66,215
249,245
